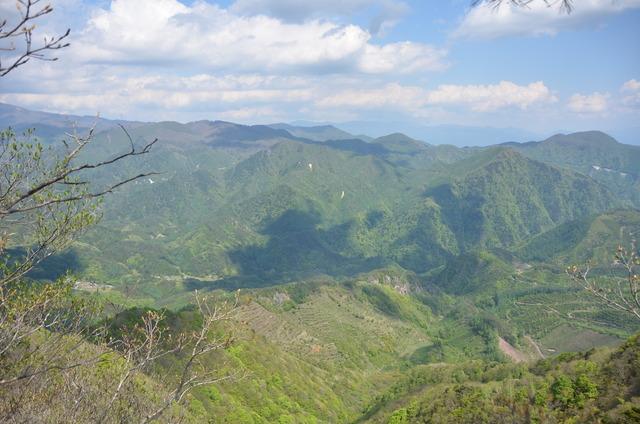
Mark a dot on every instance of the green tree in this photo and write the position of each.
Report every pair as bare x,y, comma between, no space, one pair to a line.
399,416
563,391
585,390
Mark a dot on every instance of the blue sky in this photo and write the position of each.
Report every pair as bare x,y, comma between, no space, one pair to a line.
391,62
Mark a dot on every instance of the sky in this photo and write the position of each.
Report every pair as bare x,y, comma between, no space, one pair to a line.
388,62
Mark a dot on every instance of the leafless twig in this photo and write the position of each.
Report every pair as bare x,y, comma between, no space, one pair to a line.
24,28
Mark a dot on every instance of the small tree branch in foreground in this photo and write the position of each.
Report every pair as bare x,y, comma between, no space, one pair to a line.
24,27
46,197
620,293
563,5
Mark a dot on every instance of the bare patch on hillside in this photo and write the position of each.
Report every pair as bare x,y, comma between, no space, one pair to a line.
512,352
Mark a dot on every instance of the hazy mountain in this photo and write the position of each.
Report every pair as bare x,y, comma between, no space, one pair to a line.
457,135
256,204
317,132
53,125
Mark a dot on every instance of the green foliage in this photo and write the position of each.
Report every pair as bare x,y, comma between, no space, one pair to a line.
381,276
573,389
563,391
595,154
472,272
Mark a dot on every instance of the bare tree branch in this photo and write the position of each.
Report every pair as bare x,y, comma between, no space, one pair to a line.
66,172
24,27
563,5
622,294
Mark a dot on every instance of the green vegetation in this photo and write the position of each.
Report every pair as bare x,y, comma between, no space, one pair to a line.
240,206
597,386
595,154
381,280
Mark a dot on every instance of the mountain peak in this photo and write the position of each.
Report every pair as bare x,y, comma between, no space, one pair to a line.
323,132
584,138
397,136
400,143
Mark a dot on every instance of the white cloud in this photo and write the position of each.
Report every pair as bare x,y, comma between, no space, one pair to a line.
484,98
390,95
631,85
205,36
403,57
536,19
115,92
478,98
631,89
252,115
589,103
387,12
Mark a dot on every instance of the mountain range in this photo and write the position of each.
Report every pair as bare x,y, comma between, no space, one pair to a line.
366,261
270,204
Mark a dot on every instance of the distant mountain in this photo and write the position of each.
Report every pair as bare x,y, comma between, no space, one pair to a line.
500,197
317,132
259,205
401,143
585,151
589,238
592,153
254,205
457,135
51,125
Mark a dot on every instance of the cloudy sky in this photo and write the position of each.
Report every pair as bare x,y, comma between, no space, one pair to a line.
394,61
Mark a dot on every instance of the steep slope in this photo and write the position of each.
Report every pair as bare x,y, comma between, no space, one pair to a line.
472,272
598,386
499,197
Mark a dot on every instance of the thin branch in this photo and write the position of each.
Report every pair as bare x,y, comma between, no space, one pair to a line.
11,209
563,5
24,27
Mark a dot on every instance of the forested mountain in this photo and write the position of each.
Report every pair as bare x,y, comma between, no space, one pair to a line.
595,154
262,205
377,275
